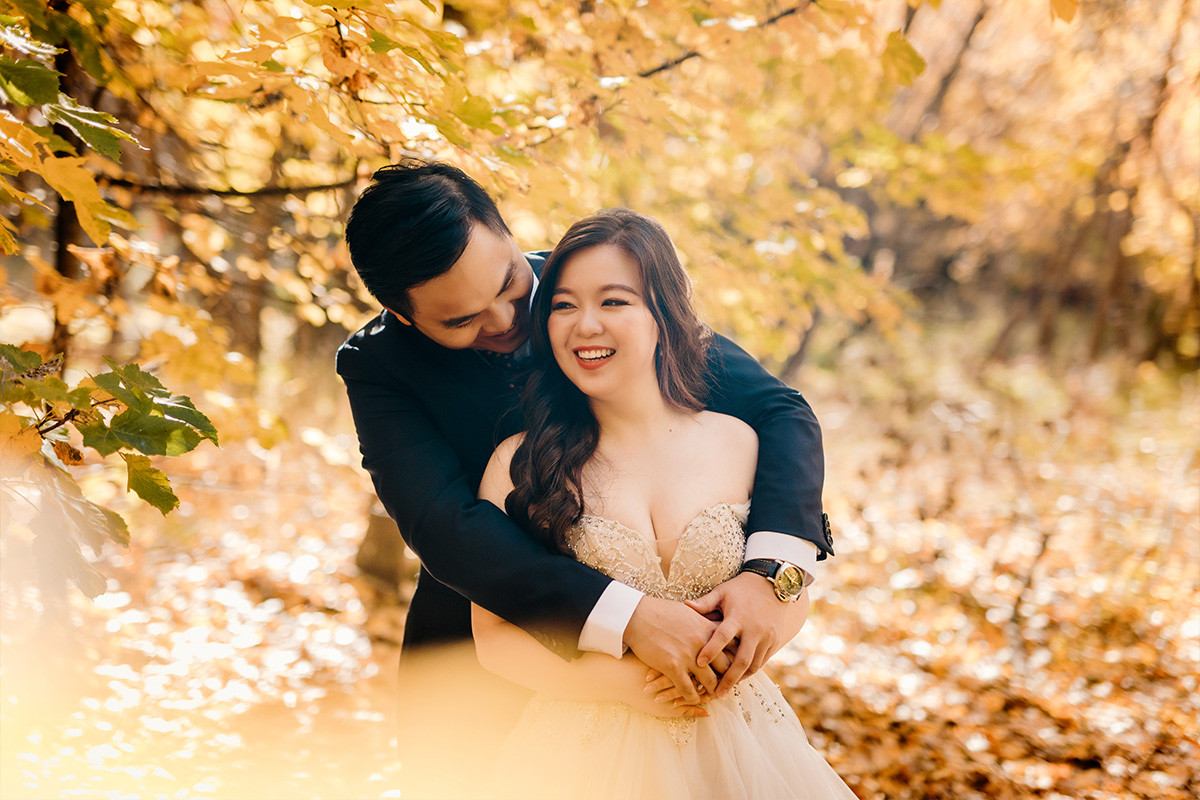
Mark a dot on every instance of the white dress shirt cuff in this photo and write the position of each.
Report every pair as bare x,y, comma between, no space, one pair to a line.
781,546
604,630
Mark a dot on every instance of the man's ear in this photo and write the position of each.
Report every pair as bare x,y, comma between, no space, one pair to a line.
399,316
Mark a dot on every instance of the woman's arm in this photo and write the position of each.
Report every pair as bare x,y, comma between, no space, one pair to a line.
511,653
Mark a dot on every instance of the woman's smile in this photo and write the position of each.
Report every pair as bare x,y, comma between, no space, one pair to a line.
593,357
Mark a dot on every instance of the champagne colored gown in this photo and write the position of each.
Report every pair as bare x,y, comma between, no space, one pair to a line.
752,747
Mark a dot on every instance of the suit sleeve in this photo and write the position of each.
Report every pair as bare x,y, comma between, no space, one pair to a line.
791,464
467,544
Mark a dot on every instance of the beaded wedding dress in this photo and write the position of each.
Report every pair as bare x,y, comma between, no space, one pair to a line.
752,747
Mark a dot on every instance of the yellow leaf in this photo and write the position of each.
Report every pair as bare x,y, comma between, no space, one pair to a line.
10,193
19,143
8,244
18,445
318,117
1063,9
900,61
10,425
340,67
74,182
71,179
253,55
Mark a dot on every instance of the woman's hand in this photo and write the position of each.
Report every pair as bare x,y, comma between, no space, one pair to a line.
632,688
665,691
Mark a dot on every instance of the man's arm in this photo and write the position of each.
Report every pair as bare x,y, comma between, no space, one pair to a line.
791,463
786,521
469,545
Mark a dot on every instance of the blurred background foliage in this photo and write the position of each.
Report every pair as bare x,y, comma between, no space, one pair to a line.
968,231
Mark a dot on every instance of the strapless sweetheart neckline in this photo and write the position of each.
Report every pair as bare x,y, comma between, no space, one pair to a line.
647,544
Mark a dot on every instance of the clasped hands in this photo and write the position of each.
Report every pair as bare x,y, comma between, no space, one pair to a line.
701,649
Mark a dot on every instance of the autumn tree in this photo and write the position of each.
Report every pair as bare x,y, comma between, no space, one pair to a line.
829,160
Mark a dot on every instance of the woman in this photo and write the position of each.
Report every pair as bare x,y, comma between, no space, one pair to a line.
623,469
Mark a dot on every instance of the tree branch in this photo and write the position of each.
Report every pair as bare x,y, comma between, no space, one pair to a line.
70,415
934,109
696,54
180,190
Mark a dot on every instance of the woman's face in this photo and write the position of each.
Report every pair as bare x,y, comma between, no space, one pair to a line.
600,328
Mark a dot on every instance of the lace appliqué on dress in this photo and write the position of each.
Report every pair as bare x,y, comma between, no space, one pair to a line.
709,553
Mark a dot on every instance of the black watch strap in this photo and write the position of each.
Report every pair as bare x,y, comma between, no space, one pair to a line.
767,567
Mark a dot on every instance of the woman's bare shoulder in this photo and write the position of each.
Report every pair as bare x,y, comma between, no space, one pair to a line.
732,432
505,450
497,482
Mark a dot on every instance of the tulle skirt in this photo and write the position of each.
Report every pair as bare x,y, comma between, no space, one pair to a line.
752,747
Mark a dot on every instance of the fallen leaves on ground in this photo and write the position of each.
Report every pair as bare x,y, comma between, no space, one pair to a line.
1011,613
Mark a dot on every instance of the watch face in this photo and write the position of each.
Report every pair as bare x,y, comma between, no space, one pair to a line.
789,581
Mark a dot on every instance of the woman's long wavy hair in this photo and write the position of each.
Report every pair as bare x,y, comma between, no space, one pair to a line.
561,432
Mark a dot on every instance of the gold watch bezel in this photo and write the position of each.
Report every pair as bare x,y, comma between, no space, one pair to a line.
788,582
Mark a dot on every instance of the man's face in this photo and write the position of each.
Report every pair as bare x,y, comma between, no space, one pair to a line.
481,302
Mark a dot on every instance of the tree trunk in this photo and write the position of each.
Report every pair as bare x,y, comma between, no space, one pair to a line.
794,361
249,294
1049,306
999,348
67,230
1109,305
1114,301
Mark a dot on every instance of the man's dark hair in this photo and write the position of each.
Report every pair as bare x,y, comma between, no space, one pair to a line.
411,224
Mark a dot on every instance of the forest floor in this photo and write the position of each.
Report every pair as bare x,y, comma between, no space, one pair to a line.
1012,611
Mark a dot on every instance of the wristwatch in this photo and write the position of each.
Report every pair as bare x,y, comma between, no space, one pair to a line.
788,579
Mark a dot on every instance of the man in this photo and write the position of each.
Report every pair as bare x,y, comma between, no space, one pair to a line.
433,383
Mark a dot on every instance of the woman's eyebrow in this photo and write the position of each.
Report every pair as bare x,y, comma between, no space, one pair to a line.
608,287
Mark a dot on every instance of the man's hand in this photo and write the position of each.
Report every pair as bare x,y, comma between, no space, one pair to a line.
752,614
668,636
